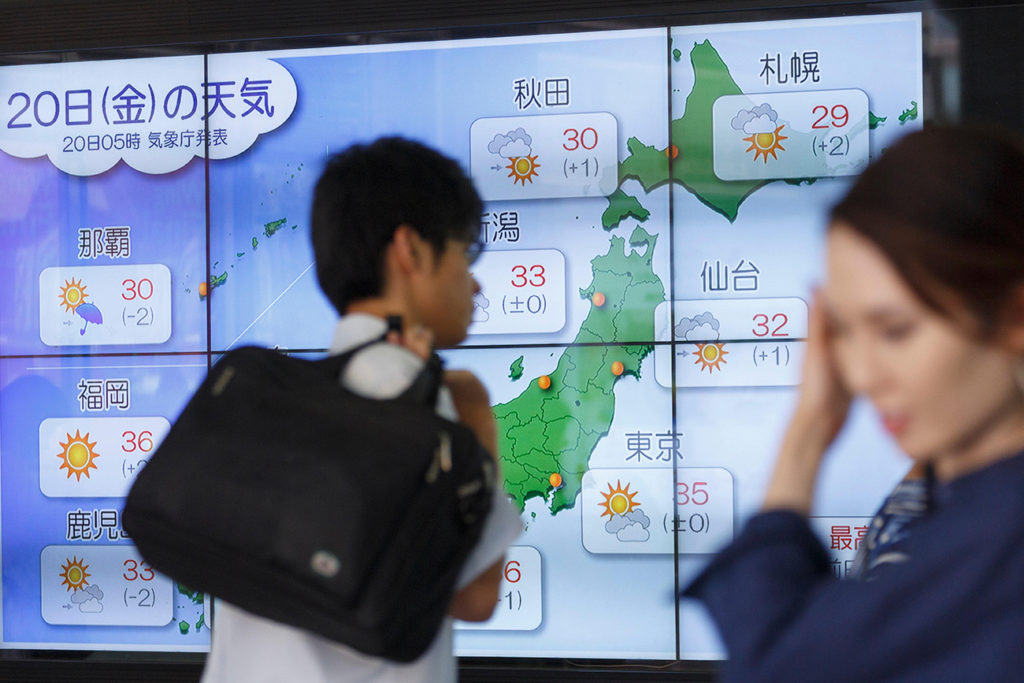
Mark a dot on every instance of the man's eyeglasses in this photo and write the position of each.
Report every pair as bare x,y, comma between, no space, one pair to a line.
474,250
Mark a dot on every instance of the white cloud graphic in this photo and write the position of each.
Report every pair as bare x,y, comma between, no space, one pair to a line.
480,304
151,113
631,526
703,327
634,533
760,119
515,143
762,124
516,148
88,599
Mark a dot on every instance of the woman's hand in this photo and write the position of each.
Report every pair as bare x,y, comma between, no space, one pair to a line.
820,413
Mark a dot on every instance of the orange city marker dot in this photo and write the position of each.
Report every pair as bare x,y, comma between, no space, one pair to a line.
618,368
544,382
202,289
597,299
555,480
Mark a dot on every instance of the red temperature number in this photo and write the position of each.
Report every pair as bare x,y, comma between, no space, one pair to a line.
143,441
586,138
535,279
142,289
512,572
839,113
137,571
696,493
762,328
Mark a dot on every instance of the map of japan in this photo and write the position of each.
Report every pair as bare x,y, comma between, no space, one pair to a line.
553,426
544,431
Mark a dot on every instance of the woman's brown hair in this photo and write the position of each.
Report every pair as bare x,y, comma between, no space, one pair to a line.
946,206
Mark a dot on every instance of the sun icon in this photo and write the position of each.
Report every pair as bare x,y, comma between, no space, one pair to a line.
618,500
72,294
75,574
710,356
766,143
523,169
78,455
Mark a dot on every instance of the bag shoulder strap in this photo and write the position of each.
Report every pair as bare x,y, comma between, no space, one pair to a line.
424,387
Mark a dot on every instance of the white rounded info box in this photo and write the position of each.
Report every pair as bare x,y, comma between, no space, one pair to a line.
638,511
545,157
91,305
521,292
95,457
809,134
102,585
730,342
519,595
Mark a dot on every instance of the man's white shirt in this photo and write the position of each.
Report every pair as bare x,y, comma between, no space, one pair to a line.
257,650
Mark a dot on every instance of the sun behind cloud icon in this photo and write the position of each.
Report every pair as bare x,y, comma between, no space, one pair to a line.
72,294
516,147
75,574
77,456
761,124
618,500
710,356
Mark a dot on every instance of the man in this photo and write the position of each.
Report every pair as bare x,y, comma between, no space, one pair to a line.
395,228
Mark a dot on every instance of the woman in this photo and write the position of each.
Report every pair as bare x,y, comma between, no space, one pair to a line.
922,313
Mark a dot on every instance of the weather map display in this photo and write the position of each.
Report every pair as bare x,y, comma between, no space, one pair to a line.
654,210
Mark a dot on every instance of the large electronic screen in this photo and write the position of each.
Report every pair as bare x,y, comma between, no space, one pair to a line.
655,204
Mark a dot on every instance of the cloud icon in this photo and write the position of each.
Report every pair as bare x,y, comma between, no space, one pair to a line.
91,606
762,124
88,599
631,526
480,304
760,119
154,114
703,327
634,533
619,522
515,143
516,148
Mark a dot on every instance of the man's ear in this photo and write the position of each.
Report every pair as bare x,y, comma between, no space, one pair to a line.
407,249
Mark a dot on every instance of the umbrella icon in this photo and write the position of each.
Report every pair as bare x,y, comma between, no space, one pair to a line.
90,314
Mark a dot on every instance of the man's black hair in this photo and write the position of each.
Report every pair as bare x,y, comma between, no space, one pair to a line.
366,192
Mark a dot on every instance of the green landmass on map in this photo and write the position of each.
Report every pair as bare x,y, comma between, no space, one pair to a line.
677,54
217,281
691,153
273,226
909,114
645,164
515,371
541,432
195,596
620,207
875,121
255,243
